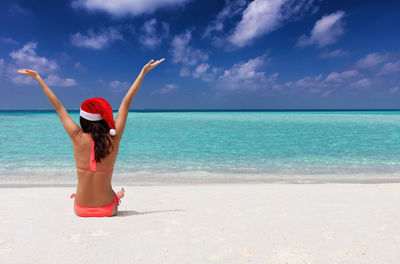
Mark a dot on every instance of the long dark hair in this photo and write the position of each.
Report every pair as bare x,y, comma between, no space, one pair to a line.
99,130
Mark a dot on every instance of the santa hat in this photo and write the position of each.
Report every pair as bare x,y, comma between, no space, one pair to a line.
95,109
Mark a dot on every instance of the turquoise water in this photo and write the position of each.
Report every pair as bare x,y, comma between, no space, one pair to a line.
169,147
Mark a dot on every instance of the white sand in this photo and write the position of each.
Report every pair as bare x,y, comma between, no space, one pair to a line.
231,223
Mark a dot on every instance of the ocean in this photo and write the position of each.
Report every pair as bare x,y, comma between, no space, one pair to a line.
170,147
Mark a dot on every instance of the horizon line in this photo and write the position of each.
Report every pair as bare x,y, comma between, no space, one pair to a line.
218,110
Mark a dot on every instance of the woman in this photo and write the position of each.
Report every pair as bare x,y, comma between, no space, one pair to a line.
95,146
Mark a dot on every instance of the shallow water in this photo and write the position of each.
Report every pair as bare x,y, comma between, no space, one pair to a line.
182,147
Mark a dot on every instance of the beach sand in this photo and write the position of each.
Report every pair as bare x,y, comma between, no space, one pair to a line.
225,223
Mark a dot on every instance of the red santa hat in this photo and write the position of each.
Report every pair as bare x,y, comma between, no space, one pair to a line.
95,109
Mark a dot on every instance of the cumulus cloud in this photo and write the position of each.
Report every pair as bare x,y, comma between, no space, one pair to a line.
168,88
365,82
79,67
193,61
1,66
394,90
334,53
336,77
19,79
262,17
390,67
118,86
55,80
184,53
306,82
201,69
326,31
246,76
9,41
371,60
333,81
150,38
17,10
206,72
26,58
184,72
119,8
96,41
231,9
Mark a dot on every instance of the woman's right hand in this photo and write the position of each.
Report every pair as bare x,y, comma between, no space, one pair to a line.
149,66
29,73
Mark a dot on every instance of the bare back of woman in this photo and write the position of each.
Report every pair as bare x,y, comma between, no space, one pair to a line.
95,150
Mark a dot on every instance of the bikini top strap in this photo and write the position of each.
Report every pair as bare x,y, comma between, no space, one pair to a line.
93,164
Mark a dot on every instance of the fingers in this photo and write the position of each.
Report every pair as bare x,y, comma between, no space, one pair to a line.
158,62
22,71
152,65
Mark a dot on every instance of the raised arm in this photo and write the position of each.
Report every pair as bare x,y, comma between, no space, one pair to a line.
70,126
123,110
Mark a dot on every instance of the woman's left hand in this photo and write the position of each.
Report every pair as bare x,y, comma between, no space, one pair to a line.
29,73
151,65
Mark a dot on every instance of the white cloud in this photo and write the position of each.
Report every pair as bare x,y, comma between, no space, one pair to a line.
185,71
168,88
362,83
201,69
336,77
96,41
394,90
55,80
194,61
231,9
262,17
19,79
27,58
182,52
326,31
371,60
118,86
120,8
78,66
1,66
306,82
17,10
9,41
246,76
334,80
205,72
334,53
390,67
149,36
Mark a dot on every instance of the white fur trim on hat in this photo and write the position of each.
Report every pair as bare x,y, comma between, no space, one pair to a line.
90,116
113,132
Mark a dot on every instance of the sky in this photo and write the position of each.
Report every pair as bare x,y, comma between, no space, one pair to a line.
219,54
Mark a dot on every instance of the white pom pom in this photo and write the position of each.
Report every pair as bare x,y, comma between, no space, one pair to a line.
113,132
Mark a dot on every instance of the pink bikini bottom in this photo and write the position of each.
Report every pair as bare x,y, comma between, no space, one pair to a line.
95,211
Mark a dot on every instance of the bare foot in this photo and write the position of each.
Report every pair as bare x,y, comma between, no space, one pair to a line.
121,193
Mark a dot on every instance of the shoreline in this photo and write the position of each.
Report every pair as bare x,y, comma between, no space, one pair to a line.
201,183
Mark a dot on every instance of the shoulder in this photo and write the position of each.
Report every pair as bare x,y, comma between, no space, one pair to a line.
78,136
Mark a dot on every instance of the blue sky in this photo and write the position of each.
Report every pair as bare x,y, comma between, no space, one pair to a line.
233,54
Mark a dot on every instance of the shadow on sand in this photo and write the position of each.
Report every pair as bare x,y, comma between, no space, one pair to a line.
129,213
